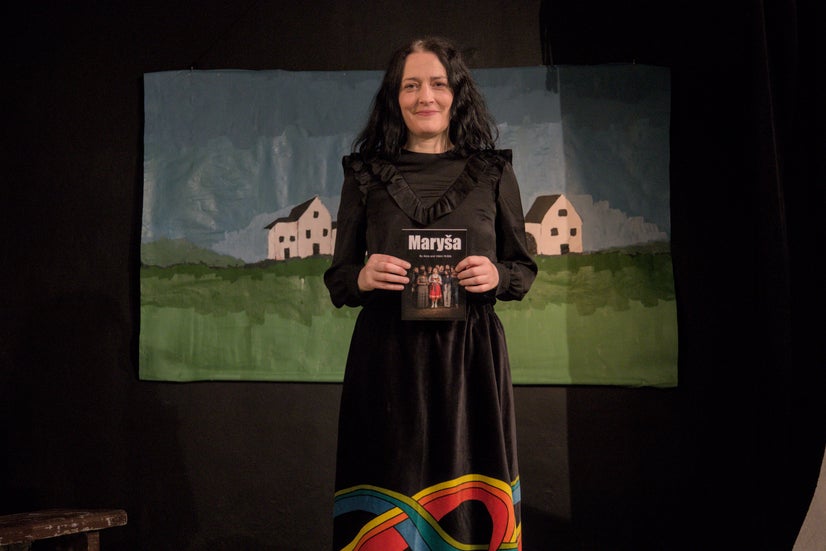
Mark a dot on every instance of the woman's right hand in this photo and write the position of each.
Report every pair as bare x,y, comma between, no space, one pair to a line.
382,271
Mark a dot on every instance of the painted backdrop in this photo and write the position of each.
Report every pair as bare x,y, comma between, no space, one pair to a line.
242,172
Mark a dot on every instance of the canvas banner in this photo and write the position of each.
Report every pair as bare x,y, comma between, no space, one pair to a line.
242,173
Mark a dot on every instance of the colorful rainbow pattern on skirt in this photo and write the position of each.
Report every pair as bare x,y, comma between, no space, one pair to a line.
403,522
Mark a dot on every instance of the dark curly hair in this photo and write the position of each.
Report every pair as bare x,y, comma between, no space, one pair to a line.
472,127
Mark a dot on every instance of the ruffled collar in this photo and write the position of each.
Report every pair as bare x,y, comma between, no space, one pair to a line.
483,167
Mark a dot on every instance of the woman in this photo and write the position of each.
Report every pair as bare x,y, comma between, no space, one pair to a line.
435,280
426,448
421,288
447,287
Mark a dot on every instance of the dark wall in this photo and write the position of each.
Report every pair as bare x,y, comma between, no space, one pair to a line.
730,456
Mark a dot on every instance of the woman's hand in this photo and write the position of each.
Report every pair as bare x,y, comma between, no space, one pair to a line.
382,271
477,274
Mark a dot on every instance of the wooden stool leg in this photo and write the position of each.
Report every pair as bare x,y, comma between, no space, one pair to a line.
93,541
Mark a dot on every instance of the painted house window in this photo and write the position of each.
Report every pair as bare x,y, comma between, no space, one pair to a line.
292,238
308,234
315,214
563,212
325,232
554,232
280,238
573,232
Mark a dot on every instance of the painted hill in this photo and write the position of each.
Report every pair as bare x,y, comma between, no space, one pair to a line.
168,252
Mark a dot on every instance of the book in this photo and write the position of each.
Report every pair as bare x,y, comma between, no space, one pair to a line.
433,292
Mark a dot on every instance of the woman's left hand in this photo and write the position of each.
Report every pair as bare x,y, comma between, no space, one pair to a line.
477,274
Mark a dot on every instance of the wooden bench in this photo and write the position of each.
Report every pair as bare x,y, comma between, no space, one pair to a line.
77,528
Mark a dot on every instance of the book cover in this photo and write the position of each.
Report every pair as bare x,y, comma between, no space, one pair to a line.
433,292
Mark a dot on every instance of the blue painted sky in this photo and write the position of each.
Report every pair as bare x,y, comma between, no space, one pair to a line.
226,152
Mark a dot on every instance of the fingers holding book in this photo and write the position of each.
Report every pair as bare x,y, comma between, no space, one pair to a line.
383,271
477,274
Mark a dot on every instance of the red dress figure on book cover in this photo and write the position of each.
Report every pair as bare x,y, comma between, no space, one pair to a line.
435,288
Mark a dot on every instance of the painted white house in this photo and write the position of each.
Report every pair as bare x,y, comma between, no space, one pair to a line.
306,231
554,225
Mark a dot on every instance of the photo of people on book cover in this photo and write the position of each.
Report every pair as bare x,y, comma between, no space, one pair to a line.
434,292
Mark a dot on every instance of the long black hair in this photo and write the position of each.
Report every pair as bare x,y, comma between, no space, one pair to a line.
472,127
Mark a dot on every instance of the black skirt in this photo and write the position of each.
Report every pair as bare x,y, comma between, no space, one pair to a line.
427,450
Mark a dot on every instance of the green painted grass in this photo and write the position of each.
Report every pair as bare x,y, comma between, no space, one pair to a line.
605,318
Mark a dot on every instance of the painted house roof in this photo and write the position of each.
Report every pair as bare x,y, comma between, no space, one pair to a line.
540,208
296,213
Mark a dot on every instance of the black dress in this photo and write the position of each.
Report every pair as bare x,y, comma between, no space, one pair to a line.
426,445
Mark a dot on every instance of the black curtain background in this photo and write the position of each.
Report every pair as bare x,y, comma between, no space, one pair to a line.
729,460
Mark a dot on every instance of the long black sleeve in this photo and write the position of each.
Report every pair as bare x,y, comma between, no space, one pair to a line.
517,268
341,277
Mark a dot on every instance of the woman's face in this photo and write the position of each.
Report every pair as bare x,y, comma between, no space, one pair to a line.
425,98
